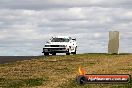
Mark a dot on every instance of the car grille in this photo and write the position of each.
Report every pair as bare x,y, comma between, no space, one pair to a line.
54,45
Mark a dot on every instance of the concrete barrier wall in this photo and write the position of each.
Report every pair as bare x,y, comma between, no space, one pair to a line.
113,46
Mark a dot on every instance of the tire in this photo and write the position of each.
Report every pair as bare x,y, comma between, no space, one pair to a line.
75,51
53,53
46,54
67,53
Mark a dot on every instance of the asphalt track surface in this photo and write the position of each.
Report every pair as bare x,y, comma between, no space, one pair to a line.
7,59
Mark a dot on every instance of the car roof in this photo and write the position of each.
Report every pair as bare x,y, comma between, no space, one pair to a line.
61,37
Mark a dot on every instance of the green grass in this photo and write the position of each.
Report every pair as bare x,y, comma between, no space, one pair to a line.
61,71
20,83
129,69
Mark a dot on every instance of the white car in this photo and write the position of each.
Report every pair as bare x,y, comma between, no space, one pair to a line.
60,44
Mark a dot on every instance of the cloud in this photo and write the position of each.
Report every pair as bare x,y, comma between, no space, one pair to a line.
52,4
25,25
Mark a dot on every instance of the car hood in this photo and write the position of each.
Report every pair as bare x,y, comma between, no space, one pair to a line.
57,43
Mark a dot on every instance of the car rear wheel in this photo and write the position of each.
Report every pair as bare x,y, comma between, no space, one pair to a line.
75,51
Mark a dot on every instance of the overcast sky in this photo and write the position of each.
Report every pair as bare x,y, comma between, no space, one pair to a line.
25,25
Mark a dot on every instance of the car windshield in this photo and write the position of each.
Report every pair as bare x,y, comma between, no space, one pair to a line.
60,40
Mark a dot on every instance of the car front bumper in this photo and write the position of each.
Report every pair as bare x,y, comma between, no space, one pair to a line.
55,50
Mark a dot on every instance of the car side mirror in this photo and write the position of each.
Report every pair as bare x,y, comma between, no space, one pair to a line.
47,41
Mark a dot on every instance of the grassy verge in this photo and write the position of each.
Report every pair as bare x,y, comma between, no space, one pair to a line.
18,83
61,71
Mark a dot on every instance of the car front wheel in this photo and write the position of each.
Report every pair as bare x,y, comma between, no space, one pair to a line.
67,53
46,54
53,53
